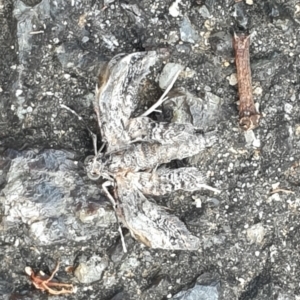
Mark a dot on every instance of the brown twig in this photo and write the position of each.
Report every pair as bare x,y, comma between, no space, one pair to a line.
249,117
43,282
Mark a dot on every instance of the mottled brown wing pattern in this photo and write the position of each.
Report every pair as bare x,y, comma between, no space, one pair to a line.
116,95
151,224
165,181
145,156
135,148
144,129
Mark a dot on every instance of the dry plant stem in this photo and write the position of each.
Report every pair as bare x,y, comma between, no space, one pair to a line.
114,204
281,190
162,98
248,115
36,32
44,283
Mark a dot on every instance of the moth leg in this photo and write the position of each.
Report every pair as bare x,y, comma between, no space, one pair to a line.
105,185
163,97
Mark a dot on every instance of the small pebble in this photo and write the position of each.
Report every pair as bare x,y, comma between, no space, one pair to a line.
85,39
174,9
226,64
55,40
204,12
18,93
257,91
232,79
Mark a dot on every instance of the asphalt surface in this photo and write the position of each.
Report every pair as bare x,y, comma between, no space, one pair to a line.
51,52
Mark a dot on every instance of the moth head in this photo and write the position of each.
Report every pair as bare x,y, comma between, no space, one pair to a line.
95,167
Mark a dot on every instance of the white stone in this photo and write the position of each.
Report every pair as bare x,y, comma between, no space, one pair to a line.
56,40
232,79
257,91
256,143
168,73
85,39
256,233
275,185
19,92
249,136
174,9
198,203
288,108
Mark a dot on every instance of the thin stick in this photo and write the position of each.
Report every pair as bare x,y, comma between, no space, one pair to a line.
207,187
282,190
249,117
162,98
113,202
36,32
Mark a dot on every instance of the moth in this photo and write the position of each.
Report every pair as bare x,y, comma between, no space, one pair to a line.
135,147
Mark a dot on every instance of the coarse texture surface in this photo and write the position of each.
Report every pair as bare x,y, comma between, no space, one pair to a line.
51,52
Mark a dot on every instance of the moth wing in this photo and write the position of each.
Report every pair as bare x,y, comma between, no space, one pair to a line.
153,225
165,181
144,156
116,95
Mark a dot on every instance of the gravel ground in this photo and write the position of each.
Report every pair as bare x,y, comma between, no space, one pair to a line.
51,52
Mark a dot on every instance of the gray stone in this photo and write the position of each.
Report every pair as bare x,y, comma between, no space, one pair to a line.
168,73
204,289
91,270
187,32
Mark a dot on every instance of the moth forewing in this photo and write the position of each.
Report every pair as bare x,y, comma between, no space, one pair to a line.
152,224
144,156
165,181
117,94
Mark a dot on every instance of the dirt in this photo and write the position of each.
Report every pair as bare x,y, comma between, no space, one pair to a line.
51,53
